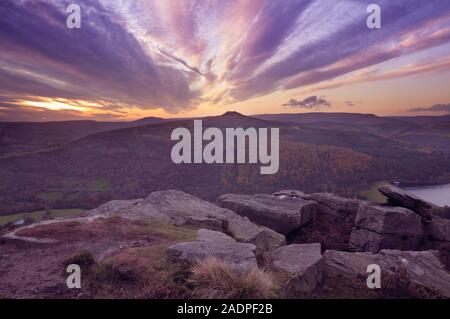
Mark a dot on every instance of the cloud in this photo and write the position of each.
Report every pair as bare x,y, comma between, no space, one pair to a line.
311,102
350,38
273,24
102,60
425,67
434,108
349,103
175,55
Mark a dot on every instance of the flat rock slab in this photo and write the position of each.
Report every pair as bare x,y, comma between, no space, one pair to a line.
442,212
215,244
280,214
341,208
303,263
438,229
243,230
180,208
384,227
399,197
422,268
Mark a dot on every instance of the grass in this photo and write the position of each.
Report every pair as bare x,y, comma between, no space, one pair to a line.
82,258
140,272
100,185
373,195
71,188
38,215
50,196
145,271
167,231
213,279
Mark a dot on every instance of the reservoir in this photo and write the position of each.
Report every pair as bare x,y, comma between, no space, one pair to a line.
439,195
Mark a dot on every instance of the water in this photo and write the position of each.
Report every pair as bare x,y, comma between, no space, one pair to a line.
439,195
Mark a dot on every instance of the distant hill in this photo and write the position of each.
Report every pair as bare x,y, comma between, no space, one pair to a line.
434,135
368,123
24,137
130,162
422,119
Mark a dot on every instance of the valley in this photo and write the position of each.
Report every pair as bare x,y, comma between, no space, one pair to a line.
87,169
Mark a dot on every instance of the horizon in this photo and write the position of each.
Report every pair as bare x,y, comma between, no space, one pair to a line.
195,59
221,114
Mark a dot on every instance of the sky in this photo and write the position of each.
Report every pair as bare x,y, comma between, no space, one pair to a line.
188,58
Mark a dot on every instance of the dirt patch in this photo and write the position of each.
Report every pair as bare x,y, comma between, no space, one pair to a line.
36,270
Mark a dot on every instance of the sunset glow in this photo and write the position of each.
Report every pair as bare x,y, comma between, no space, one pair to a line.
133,59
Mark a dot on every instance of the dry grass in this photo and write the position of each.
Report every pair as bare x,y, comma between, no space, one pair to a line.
82,258
213,279
172,233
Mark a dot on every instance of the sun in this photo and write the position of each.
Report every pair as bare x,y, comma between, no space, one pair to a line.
57,105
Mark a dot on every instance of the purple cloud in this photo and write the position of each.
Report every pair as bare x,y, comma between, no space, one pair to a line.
398,17
434,108
311,102
169,55
99,61
274,23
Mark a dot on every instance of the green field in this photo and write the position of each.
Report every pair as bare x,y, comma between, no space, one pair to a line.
373,195
37,215
100,185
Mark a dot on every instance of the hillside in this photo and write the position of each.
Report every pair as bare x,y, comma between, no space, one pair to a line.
367,123
24,137
133,161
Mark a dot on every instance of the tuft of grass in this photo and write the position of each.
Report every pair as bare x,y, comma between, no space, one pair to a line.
213,279
109,273
82,258
373,195
263,257
143,271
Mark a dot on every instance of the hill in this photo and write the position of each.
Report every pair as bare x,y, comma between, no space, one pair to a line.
25,137
133,161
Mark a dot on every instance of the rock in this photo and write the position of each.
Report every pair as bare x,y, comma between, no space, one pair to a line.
215,244
242,229
179,208
303,264
438,229
422,268
399,197
442,212
388,220
289,193
341,208
114,207
282,215
384,227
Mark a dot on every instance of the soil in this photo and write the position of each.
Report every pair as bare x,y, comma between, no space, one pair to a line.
36,270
